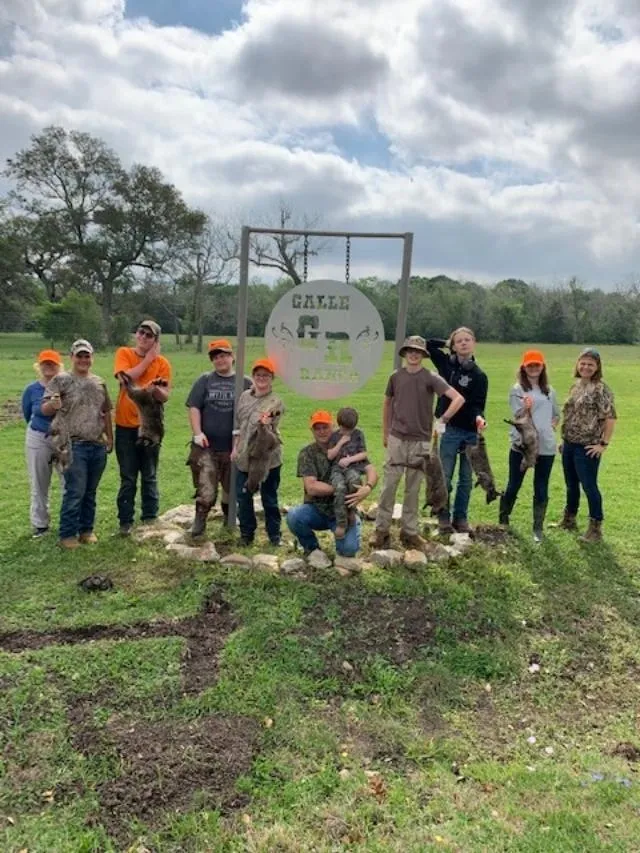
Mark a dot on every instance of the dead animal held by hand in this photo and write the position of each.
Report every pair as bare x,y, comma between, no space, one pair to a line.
528,435
151,429
481,467
262,442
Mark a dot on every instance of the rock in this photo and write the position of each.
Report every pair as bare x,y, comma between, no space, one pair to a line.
371,512
461,541
387,559
266,562
205,554
397,514
347,566
170,537
182,515
293,566
437,553
142,534
236,560
318,560
414,559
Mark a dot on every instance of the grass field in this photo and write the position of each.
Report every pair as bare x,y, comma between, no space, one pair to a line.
489,704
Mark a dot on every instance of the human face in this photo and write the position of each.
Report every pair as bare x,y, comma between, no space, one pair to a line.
145,339
322,433
533,370
587,367
464,344
82,362
49,369
222,362
263,380
413,356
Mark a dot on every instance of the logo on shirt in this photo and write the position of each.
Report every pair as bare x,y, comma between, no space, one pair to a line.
326,339
464,381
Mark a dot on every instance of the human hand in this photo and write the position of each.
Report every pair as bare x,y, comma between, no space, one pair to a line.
153,351
109,445
359,495
481,424
234,454
595,450
527,401
265,418
344,462
55,401
440,427
201,440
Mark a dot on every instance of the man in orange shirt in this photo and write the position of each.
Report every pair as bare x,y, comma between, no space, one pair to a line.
142,363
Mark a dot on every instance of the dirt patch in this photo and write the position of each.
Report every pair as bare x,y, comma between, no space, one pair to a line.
205,634
627,750
10,412
492,534
393,628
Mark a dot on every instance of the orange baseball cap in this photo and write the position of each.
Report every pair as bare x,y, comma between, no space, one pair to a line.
221,345
532,356
265,364
50,355
321,417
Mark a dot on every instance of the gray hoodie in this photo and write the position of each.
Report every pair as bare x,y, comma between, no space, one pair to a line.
543,410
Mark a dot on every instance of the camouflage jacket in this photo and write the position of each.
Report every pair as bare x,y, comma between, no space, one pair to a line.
313,462
589,406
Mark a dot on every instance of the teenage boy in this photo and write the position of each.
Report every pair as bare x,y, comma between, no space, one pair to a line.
211,408
407,420
143,364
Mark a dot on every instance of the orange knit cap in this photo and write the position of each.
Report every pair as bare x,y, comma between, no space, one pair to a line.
321,417
50,355
532,356
265,364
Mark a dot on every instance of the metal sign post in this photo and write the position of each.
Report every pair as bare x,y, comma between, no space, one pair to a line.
243,299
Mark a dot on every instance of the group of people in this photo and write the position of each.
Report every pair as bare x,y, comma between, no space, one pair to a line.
336,472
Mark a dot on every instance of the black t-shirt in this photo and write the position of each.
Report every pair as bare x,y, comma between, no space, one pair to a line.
214,395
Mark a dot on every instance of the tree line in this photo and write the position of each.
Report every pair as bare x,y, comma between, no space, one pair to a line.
88,247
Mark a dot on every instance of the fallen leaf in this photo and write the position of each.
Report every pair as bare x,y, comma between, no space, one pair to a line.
267,722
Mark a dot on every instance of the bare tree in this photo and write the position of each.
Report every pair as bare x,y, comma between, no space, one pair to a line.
286,252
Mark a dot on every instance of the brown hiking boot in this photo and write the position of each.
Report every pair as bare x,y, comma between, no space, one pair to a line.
461,525
69,544
568,521
412,540
381,540
445,528
88,538
594,532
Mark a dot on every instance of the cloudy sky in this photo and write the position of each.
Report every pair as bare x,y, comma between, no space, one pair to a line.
504,133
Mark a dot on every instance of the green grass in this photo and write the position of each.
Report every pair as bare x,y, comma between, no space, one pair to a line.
425,741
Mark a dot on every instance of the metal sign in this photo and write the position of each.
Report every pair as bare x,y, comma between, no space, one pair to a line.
326,339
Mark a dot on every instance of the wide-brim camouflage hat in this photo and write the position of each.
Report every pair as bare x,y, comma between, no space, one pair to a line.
413,342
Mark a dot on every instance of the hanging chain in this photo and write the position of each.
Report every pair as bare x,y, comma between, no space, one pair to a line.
347,265
305,259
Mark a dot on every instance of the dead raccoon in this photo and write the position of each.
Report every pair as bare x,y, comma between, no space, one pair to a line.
481,467
523,422
151,429
259,449
436,495
60,443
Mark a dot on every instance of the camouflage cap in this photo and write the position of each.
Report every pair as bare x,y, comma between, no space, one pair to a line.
413,342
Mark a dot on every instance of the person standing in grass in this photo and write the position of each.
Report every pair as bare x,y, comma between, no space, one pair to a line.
588,420
258,405
407,422
143,364
211,411
460,370
318,511
38,448
532,390
83,400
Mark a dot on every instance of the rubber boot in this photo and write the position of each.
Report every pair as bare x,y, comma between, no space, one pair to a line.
539,513
199,525
225,512
568,521
594,532
506,506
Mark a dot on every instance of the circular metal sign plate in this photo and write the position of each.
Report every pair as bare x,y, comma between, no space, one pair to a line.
326,339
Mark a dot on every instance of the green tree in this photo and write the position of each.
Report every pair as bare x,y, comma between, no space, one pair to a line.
75,316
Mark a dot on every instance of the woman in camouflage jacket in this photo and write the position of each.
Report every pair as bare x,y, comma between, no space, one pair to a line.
588,419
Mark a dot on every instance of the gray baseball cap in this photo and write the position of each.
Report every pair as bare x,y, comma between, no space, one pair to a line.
81,346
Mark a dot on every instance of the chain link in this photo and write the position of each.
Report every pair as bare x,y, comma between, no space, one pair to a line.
305,259
347,265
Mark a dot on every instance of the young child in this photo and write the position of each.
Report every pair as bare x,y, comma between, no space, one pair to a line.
348,453
407,423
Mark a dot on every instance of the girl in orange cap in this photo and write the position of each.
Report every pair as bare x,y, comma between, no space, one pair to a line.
38,450
533,391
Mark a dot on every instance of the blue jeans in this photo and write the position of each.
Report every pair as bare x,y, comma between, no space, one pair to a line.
581,470
78,510
452,445
134,459
304,519
541,475
246,512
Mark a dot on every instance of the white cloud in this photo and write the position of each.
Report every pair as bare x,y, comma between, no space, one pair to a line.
508,132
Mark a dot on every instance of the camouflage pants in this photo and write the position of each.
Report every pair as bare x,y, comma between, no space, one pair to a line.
210,469
344,482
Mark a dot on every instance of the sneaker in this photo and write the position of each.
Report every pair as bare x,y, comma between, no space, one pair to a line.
125,529
39,532
69,544
88,538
